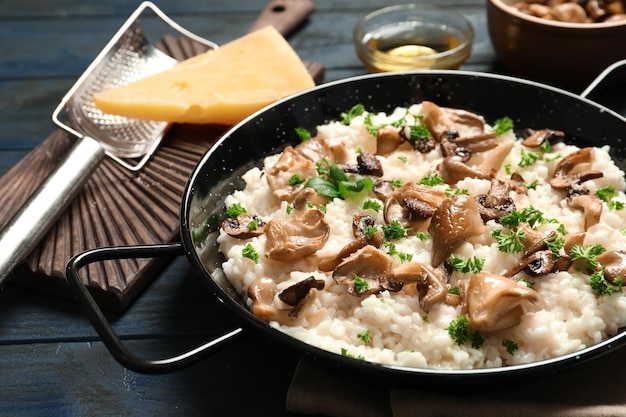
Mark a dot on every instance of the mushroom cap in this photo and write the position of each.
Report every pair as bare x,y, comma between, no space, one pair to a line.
456,219
297,237
279,175
494,302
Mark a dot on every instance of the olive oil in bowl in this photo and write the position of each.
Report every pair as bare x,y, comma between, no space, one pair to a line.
424,37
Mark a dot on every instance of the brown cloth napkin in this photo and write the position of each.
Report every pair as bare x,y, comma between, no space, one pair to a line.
596,388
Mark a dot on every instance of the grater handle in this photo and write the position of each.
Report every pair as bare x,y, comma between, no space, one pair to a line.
20,236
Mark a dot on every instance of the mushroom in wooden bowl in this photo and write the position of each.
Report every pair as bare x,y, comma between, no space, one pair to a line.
561,42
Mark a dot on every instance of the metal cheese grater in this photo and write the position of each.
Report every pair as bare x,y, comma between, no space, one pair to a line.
127,57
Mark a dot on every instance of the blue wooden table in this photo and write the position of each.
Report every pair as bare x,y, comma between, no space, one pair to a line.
51,359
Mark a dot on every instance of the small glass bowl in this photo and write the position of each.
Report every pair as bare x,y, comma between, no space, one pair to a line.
413,36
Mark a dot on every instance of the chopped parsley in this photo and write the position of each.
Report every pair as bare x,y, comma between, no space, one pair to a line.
422,235
370,231
397,183
512,243
419,133
394,230
503,125
530,215
303,134
253,224
528,158
235,210
344,352
403,158
460,334
249,252
510,346
296,179
431,179
364,336
588,253
601,286
372,205
545,146
473,265
392,250
555,243
356,110
532,185
360,285
454,290
607,194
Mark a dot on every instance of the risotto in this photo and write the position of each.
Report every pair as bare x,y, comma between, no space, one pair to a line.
431,238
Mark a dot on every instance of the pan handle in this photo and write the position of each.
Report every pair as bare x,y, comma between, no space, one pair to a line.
603,75
104,329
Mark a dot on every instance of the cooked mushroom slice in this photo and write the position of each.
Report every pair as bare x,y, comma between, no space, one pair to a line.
495,302
279,176
366,272
453,170
244,226
320,147
439,119
387,140
590,205
536,138
456,219
308,196
614,263
288,240
536,264
493,161
360,224
497,203
383,189
412,203
329,264
366,164
430,282
563,177
262,290
464,147
297,292
534,240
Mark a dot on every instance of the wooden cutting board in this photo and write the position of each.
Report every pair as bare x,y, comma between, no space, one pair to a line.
116,207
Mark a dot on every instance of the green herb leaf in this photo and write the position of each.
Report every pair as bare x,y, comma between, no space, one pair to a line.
588,253
419,133
510,346
394,230
372,205
601,286
431,179
323,187
303,134
528,158
360,285
235,210
473,265
513,243
355,111
503,125
249,252
296,179
364,336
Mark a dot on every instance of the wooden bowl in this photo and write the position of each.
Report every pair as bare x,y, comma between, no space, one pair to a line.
567,55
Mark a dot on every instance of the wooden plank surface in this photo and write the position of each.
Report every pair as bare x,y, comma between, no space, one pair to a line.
51,360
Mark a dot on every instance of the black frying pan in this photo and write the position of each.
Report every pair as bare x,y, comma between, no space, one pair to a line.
268,131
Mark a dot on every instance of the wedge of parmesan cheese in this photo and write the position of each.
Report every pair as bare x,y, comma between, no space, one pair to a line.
220,86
